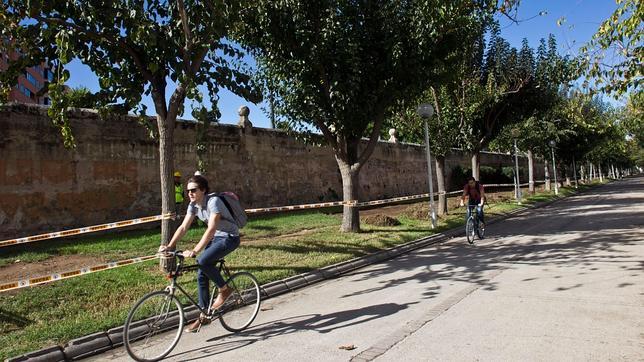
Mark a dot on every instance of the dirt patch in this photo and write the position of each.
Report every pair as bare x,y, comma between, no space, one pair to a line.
58,263
380,220
393,211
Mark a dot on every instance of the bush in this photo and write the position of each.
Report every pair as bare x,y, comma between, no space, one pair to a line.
489,175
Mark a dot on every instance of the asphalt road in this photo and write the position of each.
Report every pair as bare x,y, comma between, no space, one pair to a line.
563,282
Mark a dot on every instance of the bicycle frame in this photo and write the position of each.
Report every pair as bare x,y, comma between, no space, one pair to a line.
180,269
472,209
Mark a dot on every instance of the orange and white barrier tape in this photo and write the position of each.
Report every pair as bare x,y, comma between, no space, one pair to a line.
25,283
299,207
148,219
85,230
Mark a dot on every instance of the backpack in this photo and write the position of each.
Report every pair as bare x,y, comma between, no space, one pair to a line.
231,200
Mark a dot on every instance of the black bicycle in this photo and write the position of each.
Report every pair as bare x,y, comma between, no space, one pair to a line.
472,226
155,324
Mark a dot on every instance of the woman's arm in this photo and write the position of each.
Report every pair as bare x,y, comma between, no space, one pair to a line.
179,233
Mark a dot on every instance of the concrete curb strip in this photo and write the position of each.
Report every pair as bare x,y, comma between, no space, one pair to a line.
103,341
87,346
51,354
295,282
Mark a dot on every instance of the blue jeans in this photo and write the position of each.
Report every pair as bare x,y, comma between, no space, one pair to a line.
218,247
479,211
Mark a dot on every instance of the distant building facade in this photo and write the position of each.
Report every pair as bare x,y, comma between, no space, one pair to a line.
30,83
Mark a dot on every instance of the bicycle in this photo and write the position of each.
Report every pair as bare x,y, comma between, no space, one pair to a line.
158,312
472,225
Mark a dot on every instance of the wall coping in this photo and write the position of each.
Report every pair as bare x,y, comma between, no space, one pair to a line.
85,112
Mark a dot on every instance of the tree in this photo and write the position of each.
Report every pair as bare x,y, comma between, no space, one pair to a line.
443,132
448,96
338,67
539,119
613,57
135,47
81,97
496,89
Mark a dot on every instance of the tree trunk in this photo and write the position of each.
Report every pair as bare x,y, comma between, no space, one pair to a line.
592,172
547,176
530,172
476,165
440,180
166,166
350,184
582,173
599,170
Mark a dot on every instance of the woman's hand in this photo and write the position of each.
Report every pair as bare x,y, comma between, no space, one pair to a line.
164,248
189,254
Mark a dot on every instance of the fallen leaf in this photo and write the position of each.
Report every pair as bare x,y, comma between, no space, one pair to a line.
348,347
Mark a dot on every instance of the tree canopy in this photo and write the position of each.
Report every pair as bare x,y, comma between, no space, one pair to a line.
136,48
341,66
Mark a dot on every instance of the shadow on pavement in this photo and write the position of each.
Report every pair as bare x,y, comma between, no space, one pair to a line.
581,231
321,323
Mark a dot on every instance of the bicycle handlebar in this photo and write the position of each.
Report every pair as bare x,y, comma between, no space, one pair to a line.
177,253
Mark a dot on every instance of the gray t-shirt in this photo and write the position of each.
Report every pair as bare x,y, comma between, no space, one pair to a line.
214,205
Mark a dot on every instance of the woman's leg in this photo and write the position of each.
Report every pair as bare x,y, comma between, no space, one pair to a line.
204,289
217,249
221,246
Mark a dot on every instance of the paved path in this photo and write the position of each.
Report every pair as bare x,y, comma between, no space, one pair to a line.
565,282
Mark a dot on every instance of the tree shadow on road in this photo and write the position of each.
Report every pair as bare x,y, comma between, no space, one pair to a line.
321,323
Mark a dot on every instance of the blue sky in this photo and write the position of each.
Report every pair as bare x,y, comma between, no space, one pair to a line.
582,18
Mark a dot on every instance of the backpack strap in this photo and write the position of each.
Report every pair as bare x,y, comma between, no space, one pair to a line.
230,209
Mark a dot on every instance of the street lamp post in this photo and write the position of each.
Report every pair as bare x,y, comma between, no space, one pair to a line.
426,111
517,184
554,166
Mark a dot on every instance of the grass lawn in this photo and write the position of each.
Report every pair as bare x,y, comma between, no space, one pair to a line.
273,247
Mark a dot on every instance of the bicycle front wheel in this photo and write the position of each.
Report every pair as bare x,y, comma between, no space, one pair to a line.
480,231
242,306
469,230
153,326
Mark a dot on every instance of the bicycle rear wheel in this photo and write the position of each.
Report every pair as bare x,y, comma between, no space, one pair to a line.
469,230
242,306
144,333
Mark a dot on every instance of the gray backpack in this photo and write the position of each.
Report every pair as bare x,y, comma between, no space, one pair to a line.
231,200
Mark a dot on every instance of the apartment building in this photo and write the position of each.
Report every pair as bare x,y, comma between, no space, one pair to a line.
31,83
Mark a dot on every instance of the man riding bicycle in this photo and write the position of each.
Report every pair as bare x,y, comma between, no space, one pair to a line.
475,193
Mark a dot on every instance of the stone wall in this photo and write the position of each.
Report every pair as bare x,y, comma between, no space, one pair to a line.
112,174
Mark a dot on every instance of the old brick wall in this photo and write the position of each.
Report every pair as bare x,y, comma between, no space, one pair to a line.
112,174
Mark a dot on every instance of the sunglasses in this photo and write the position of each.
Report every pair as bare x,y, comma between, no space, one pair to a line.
192,191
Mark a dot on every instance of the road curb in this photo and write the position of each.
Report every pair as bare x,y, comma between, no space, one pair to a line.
100,342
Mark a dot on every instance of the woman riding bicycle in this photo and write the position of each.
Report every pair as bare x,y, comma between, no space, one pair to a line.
220,238
475,193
